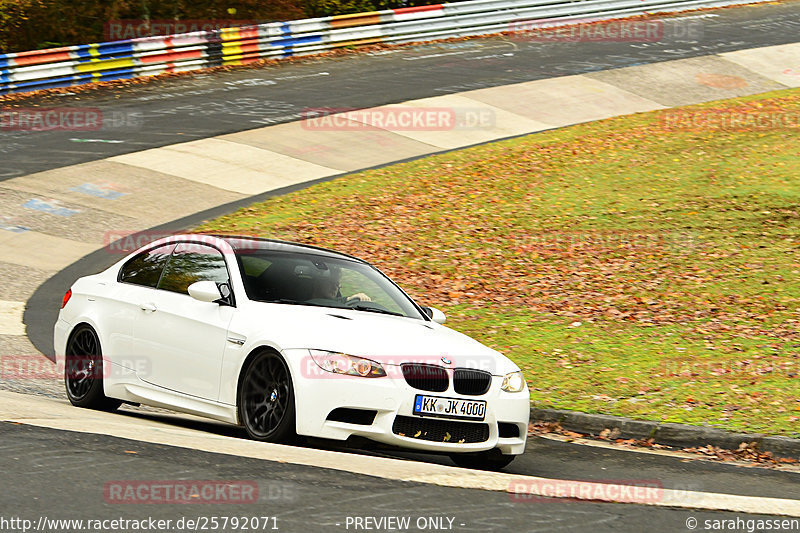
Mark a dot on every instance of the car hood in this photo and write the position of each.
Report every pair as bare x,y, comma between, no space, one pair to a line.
386,339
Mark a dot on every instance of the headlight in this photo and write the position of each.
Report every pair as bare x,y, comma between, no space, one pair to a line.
513,382
340,363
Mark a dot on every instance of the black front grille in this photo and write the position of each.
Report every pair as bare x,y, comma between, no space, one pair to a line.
471,382
426,377
440,430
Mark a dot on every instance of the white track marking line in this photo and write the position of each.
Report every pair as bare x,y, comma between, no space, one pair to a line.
44,412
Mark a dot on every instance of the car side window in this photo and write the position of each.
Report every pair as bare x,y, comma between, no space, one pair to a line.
145,268
190,263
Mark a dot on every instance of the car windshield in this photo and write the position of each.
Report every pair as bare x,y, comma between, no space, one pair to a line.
316,280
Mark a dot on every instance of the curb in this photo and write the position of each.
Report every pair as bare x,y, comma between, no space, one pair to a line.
667,433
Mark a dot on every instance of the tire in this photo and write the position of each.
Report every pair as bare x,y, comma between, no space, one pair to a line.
83,371
266,399
490,460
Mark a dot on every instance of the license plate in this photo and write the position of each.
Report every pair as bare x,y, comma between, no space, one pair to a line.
449,407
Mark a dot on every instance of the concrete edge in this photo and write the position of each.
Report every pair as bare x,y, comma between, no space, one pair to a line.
667,433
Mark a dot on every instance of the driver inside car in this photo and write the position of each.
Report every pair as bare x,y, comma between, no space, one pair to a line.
326,285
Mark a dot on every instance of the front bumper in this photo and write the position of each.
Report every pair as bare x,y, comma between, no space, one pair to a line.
319,393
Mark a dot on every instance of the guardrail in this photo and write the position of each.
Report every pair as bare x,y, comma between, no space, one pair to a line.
148,56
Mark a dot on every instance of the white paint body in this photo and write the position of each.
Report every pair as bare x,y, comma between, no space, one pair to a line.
188,356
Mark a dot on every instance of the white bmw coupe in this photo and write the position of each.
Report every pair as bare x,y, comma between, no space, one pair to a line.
286,339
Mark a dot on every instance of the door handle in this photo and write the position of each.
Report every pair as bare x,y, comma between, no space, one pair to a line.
148,307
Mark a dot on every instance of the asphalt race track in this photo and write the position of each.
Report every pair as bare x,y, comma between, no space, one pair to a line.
201,106
561,460
66,473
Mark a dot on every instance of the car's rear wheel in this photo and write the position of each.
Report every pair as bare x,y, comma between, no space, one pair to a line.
266,399
83,372
491,460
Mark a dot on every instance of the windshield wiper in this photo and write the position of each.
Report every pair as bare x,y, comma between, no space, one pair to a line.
288,301
359,307
374,310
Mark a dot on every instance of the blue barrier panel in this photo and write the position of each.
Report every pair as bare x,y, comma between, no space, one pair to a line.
294,41
119,74
83,50
118,49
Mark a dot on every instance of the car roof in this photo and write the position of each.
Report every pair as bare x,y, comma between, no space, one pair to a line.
247,242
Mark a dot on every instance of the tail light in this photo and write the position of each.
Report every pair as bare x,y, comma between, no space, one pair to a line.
67,296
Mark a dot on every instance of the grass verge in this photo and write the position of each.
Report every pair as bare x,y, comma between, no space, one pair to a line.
643,266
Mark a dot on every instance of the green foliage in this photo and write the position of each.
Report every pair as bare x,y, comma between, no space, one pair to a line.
639,266
35,24
324,8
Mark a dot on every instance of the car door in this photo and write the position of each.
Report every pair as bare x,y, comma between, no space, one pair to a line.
183,338
120,305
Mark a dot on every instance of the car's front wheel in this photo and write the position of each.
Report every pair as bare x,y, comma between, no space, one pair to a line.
490,460
266,399
83,371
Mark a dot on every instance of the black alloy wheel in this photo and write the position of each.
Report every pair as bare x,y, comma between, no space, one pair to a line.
266,399
83,372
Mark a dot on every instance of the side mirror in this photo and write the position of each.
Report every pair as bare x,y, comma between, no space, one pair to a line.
435,315
205,291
